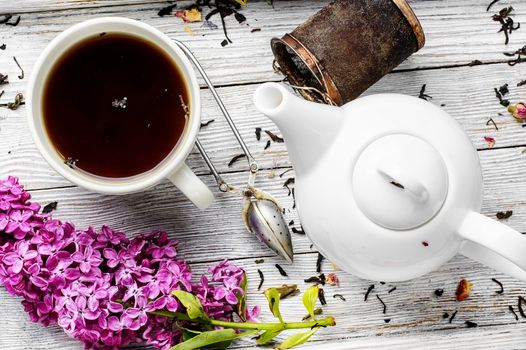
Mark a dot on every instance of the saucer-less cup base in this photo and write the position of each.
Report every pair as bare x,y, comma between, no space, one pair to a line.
173,167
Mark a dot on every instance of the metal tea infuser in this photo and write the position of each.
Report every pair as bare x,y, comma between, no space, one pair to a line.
262,214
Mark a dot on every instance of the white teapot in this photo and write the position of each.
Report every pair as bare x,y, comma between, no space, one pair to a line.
388,186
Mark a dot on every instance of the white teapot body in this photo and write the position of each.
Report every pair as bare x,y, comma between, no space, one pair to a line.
388,187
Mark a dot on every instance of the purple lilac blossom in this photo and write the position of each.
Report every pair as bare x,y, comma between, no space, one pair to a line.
100,287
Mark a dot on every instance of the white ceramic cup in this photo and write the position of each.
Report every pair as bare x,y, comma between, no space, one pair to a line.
173,167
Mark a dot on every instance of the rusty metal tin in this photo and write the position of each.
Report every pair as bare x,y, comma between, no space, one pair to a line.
348,46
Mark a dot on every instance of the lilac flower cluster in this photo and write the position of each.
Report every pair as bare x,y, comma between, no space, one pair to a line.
100,287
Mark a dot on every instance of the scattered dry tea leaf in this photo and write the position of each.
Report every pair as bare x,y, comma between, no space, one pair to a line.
191,15
490,141
287,290
463,289
332,279
504,214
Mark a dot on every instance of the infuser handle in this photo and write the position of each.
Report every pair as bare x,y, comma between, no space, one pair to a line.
251,161
494,244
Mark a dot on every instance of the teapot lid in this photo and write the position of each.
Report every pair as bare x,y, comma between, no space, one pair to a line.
400,181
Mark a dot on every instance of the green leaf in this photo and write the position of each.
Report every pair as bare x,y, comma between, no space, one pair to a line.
242,299
209,338
193,306
268,335
309,300
273,297
297,339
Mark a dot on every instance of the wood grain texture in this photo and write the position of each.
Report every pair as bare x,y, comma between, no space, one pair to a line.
466,93
456,32
412,308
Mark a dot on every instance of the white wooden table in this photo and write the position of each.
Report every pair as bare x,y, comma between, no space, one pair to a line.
457,33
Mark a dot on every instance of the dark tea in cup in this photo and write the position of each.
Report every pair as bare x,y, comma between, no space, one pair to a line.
113,105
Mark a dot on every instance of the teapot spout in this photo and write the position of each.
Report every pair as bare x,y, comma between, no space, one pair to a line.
308,128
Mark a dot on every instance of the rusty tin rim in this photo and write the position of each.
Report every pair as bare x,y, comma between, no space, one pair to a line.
312,63
318,71
409,14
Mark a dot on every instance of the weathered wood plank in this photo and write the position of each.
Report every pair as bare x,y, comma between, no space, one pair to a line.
413,309
467,93
457,32
163,207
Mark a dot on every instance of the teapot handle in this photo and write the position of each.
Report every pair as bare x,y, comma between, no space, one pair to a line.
494,244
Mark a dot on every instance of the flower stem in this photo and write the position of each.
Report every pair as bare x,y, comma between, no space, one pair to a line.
325,322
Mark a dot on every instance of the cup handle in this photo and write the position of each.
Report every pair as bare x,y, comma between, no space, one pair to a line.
494,244
192,187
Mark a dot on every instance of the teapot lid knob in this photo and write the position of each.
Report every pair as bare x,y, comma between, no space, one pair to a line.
400,181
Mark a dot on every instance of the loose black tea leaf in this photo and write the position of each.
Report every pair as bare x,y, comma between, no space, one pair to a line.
291,222
259,261
319,260
286,171
49,207
521,310
316,279
224,43
506,22
317,311
491,121
267,145
521,83
287,183
21,76
510,307
519,53
258,134
502,101
239,17
453,316
422,93
165,11
274,137
491,4
3,79
19,100
255,30
293,199
2,93
387,320
281,271
394,183
383,304
299,232
236,158
425,243
504,214
321,296
504,89
474,63
339,296
6,18
369,290
261,279
471,324
287,290
391,290
439,292
207,123
501,290
445,315
2,47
